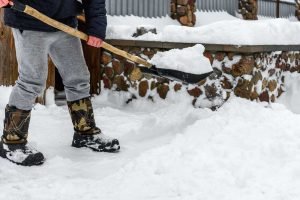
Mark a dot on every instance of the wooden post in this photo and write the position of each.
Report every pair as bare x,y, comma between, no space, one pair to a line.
92,57
277,8
8,61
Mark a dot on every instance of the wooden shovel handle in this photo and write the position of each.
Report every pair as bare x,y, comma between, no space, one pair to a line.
74,32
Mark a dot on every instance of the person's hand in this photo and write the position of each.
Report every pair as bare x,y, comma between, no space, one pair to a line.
5,3
94,41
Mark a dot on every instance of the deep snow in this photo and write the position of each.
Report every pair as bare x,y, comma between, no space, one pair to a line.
211,28
190,60
170,150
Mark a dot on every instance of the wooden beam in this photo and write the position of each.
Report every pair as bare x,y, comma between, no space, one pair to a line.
208,47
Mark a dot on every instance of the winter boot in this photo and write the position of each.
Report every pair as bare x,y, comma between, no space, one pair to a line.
13,144
86,133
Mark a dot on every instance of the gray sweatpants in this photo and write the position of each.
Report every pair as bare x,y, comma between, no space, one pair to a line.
33,48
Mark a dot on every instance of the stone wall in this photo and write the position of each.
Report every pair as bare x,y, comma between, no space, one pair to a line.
258,76
248,9
255,77
183,11
119,75
298,9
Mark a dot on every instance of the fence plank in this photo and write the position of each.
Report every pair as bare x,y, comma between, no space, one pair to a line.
142,8
159,8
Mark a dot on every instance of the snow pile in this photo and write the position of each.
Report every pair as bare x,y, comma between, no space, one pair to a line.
291,97
189,60
170,150
120,27
211,28
233,154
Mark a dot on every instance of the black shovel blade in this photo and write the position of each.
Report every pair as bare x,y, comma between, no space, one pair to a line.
176,75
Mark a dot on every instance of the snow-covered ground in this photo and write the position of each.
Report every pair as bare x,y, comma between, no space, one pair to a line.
211,28
170,150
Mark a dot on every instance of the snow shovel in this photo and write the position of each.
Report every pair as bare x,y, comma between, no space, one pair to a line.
146,66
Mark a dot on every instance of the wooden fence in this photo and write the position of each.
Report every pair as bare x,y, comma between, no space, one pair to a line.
159,8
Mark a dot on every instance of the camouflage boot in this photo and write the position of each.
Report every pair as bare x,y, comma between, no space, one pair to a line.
13,144
86,133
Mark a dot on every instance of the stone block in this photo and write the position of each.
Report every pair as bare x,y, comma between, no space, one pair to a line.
106,58
136,74
245,66
202,82
271,72
121,83
181,10
230,55
149,52
117,66
153,85
256,77
272,85
128,67
109,72
243,89
273,98
226,70
177,87
210,91
264,96
195,92
107,83
163,90
209,55
220,56
226,84
182,2
254,95
143,88
184,20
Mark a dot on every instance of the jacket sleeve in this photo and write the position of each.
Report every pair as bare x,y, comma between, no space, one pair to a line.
96,20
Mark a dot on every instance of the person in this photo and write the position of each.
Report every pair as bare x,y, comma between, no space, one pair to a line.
34,41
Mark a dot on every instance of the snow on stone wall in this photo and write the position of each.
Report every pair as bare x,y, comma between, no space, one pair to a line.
256,77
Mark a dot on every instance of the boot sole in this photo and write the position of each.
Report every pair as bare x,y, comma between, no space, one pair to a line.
97,150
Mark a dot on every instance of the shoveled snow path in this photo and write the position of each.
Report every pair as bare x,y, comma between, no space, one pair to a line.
170,150
67,171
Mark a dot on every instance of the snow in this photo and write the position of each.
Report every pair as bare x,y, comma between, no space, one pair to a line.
170,150
211,28
189,60
292,95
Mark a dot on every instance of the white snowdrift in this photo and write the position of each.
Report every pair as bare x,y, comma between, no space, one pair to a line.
291,97
170,150
189,60
212,30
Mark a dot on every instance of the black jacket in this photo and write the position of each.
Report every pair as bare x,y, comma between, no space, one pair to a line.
64,11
